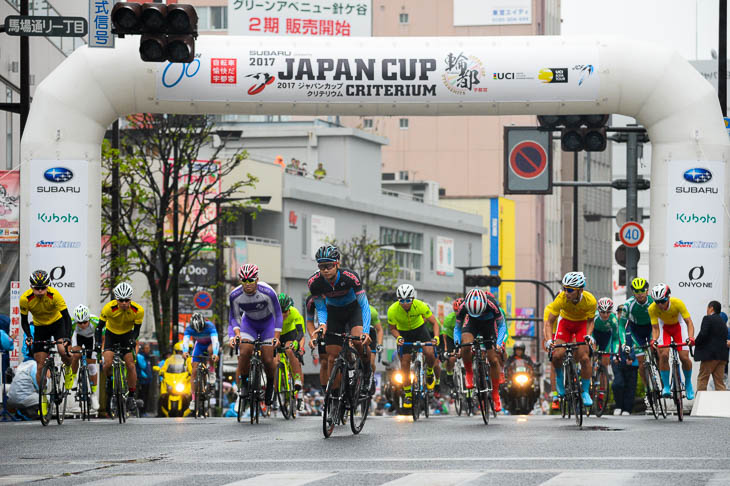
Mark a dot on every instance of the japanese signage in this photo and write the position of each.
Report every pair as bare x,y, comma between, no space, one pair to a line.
58,210
354,73
492,12
46,26
444,256
16,355
695,223
100,26
324,18
9,206
322,230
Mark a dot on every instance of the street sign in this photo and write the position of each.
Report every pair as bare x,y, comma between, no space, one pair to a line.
46,26
631,234
203,300
527,161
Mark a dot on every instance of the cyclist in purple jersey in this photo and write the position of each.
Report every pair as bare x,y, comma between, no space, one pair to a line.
254,313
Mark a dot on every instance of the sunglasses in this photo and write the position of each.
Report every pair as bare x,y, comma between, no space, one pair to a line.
124,300
570,290
405,301
663,301
40,288
248,280
326,266
639,292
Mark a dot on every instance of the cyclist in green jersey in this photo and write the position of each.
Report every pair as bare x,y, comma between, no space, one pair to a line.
292,333
447,340
635,316
605,332
406,319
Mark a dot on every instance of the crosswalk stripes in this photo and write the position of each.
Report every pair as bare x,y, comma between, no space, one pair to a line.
11,480
580,478
126,480
282,479
435,479
719,479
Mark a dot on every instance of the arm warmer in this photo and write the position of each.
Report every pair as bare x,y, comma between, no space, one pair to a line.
457,333
186,342
321,306
25,325
501,331
362,299
137,329
232,324
66,323
99,330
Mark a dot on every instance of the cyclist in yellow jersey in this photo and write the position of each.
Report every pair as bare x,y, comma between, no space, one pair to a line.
51,320
553,391
122,319
406,319
670,320
576,309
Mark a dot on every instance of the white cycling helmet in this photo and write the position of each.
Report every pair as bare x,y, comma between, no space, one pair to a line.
605,304
197,322
660,292
475,302
574,279
123,291
405,291
81,313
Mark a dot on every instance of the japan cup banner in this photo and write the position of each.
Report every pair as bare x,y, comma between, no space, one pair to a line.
58,214
323,18
695,228
283,71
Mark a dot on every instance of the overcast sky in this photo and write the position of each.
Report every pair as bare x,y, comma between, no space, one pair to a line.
690,26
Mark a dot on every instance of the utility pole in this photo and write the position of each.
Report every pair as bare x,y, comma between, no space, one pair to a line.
632,202
114,250
24,72
575,212
722,58
175,242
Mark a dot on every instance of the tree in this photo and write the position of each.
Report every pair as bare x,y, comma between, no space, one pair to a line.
167,195
374,264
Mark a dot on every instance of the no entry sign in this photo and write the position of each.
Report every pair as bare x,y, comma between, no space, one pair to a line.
527,161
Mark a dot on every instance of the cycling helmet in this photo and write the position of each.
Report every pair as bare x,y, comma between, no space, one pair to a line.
248,271
605,304
405,291
123,291
519,345
327,253
660,292
81,313
40,278
639,284
285,302
574,279
476,302
178,347
457,304
197,322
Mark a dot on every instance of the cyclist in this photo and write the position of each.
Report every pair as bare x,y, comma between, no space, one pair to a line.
553,390
635,316
50,319
447,340
206,341
122,319
82,334
341,304
311,312
605,332
479,315
671,320
376,341
406,319
577,310
292,331
254,313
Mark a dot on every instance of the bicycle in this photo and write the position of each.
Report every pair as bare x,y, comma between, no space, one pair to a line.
421,394
83,385
120,390
256,383
463,399
676,384
599,384
286,395
653,384
482,380
202,388
350,395
572,402
51,391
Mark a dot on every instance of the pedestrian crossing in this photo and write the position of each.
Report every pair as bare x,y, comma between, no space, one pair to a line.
383,478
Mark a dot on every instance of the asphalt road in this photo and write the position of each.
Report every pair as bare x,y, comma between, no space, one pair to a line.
390,450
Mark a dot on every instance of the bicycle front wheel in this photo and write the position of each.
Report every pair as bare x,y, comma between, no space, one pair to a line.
119,395
480,380
254,391
677,390
61,394
84,393
575,394
416,391
359,403
333,399
600,392
46,398
281,390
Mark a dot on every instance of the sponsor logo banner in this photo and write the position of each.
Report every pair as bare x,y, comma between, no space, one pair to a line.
695,244
9,206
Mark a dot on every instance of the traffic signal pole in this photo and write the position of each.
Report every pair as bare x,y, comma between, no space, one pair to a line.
24,72
632,203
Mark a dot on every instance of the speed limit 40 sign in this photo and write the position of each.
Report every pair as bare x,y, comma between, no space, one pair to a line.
631,234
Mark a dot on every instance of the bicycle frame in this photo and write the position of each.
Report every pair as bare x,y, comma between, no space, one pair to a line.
286,394
677,385
572,397
420,393
201,386
83,385
480,365
50,370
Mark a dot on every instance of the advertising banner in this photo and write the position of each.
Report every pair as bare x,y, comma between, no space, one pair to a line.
16,356
446,73
323,18
9,206
695,219
322,229
58,211
525,328
444,256
238,256
492,12
195,283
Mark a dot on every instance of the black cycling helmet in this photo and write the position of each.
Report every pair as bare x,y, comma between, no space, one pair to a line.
40,278
327,253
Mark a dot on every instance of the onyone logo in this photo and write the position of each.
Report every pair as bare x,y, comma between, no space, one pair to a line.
696,273
695,276
693,218
58,174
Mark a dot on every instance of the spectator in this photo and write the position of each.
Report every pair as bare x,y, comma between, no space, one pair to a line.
144,374
293,167
6,341
625,373
303,169
319,172
23,392
711,349
279,160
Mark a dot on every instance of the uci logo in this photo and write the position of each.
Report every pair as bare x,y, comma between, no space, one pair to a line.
171,77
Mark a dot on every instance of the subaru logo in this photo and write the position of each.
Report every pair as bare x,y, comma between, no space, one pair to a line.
60,174
697,175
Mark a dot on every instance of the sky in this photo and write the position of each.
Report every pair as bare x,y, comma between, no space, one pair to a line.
690,26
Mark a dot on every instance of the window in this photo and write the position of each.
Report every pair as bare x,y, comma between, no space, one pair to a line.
403,18
212,18
403,123
409,257
367,123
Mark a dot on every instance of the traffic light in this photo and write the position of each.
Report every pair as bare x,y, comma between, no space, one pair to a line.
168,31
482,280
579,132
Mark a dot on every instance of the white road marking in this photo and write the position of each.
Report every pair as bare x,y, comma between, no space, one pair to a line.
9,480
719,479
282,479
435,479
580,478
126,479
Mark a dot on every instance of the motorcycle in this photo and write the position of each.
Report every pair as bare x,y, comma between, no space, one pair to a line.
175,388
393,388
521,390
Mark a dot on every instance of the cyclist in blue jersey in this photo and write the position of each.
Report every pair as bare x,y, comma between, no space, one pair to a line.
206,341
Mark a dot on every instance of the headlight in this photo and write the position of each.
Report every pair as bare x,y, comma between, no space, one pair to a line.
413,376
398,378
179,387
521,379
